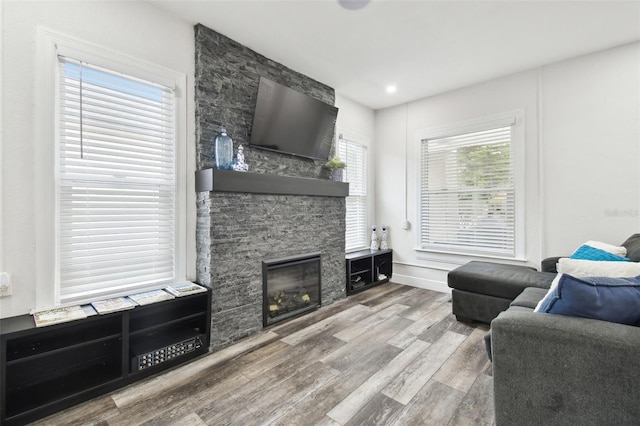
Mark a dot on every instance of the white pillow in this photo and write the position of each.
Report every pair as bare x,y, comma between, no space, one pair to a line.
554,284
598,268
618,250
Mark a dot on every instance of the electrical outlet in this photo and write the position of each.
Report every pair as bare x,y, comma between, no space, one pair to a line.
5,284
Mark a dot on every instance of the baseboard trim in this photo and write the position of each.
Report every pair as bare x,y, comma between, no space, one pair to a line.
421,283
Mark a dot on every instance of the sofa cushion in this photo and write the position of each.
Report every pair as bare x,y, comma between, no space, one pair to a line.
633,247
530,297
602,298
596,268
587,252
496,279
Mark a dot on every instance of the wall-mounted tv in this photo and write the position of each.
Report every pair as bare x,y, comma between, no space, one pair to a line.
291,122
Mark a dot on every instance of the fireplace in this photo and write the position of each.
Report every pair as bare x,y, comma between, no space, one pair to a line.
237,228
290,287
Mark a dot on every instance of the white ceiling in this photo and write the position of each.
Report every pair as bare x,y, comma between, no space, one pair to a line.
423,47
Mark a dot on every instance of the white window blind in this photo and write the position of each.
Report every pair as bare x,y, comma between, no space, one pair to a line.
467,193
355,157
116,183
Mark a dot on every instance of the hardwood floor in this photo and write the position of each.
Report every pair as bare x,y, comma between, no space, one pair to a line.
392,355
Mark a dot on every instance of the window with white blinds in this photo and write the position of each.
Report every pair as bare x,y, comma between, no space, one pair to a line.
355,172
468,194
116,183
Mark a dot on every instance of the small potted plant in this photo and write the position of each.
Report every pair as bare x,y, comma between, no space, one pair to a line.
335,165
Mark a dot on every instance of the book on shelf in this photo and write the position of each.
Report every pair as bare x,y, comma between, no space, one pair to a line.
185,289
113,305
58,315
149,297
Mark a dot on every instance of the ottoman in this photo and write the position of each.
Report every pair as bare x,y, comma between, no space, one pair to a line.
481,290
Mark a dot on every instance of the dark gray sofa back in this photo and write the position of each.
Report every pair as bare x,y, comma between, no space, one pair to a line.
632,244
633,247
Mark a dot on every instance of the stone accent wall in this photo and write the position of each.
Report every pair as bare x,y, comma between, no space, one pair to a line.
227,76
236,231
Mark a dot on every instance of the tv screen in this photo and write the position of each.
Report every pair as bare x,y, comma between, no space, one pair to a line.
291,122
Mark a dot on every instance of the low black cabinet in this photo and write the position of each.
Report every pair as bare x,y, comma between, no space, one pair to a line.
368,268
44,370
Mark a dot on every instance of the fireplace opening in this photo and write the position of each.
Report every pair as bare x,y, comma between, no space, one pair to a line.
290,287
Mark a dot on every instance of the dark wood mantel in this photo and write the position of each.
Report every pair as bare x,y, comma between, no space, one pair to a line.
261,183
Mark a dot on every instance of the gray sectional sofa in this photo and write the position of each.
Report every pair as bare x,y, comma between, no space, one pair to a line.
550,369
560,370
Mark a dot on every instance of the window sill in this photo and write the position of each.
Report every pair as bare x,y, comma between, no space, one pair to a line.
461,258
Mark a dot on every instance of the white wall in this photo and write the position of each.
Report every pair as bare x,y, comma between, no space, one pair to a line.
131,28
582,157
397,146
591,145
359,121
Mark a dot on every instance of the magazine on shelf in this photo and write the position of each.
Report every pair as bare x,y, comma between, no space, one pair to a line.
113,305
149,297
185,289
89,310
58,315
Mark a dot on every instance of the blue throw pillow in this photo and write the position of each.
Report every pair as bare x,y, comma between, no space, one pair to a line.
602,298
585,252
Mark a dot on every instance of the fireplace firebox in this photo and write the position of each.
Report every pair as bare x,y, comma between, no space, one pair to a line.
290,287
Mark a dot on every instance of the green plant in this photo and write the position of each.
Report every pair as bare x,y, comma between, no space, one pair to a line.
335,163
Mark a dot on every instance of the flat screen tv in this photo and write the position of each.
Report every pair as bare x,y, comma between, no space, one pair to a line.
291,122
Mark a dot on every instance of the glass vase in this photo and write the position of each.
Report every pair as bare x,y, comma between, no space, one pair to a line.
223,147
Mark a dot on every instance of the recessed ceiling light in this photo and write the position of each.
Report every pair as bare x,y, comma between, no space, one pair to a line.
353,4
391,89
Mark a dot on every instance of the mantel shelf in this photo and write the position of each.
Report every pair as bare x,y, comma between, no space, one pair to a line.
261,183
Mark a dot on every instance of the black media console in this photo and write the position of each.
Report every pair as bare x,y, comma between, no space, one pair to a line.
44,370
368,268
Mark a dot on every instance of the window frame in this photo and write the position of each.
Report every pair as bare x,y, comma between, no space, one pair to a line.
49,45
516,120
356,140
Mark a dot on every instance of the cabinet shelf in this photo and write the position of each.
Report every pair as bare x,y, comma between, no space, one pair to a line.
41,381
182,309
44,370
49,339
63,349
369,265
166,324
33,399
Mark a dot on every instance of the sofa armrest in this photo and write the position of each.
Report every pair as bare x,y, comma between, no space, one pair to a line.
549,264
560,370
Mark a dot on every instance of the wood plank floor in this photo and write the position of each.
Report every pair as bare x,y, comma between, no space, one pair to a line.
392,355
